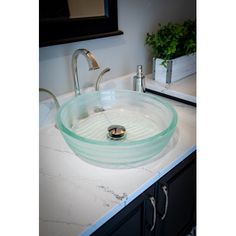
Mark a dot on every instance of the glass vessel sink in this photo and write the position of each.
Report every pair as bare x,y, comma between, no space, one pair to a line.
116,127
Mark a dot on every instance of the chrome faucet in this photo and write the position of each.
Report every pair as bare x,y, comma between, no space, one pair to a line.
93,65
100,78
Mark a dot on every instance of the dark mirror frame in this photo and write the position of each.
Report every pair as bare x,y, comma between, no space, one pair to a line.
53,31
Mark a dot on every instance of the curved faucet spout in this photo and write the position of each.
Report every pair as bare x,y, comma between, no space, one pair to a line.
92,63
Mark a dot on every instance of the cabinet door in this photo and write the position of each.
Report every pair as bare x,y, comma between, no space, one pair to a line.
176,199
137,218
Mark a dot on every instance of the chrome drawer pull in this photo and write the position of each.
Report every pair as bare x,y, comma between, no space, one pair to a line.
164,188
153,202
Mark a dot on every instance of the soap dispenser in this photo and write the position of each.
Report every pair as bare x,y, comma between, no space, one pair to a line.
138,80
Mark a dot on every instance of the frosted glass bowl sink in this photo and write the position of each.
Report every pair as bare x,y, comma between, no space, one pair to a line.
116,127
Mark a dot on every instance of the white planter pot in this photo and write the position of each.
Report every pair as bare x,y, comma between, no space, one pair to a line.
176,69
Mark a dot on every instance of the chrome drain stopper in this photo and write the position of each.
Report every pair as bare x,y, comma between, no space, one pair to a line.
116,132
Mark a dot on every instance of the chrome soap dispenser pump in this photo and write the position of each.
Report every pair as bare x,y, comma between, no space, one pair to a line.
138,80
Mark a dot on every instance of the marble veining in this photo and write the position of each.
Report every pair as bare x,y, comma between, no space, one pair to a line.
117,196
56,149
64,222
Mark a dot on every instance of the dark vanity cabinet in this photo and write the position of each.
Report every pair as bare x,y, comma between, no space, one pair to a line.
176,199
167,208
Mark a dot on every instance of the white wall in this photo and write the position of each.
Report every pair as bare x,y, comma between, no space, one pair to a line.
121,53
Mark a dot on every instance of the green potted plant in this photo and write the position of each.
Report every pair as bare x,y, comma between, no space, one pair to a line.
174,50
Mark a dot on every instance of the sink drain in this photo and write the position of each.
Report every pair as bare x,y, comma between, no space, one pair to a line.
116,132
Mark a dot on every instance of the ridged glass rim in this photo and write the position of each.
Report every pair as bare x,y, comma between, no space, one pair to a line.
62,127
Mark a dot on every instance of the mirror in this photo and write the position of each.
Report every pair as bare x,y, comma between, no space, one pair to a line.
89,8
65,21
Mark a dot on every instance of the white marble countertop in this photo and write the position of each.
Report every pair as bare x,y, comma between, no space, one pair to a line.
184,88
76,198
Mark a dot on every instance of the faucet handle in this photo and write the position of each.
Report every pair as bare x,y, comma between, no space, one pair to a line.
100,78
